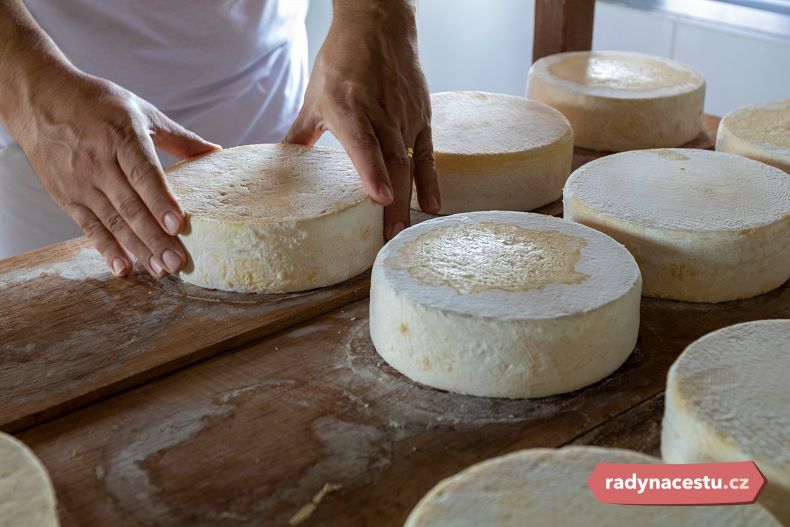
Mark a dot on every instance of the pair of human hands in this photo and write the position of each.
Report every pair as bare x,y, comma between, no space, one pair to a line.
93,144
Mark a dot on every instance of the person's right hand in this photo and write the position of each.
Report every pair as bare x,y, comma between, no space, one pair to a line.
92,144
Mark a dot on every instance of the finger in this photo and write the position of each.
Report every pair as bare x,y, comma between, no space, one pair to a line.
393,149
136,214
114,255
139,162
123,233
358,138
177,140
303,131
425,173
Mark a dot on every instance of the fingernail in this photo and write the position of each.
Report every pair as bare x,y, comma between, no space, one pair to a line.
397,228
172,261
118,266
172,223
385,192
156,267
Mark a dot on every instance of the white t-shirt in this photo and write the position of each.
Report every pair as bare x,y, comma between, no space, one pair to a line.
233,71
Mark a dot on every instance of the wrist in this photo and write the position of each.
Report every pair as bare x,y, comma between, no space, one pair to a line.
400,14
23,72
26,54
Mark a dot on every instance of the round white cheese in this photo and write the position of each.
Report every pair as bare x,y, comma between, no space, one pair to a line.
27,498
617,100
759,131
275,218
703,226
504,304
728,399
498,152
549,487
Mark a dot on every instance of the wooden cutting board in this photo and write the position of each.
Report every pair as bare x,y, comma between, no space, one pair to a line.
253,437
71,332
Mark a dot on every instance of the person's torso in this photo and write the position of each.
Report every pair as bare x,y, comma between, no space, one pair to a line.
232,70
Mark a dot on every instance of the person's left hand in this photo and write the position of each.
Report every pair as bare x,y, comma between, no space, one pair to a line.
368,89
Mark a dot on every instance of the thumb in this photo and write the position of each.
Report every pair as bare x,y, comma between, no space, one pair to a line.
303,131
177,140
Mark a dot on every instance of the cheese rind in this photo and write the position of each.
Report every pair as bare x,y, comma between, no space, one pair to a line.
727,399
27,498
618,100
549,487
696,221
504,304
498,152
758,131
275,218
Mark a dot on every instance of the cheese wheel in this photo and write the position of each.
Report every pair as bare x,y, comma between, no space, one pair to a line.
697,222
27,498
758,131
504,304
549,487
618,100
728,399
275,218
498,152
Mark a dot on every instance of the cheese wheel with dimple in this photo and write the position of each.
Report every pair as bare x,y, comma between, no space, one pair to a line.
759,131
703,226
618,100
275,218
504,304
728,399
27,498
544,487
498,152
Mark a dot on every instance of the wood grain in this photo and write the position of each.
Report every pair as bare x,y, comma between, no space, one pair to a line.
638,428
250,437
562,25
71,333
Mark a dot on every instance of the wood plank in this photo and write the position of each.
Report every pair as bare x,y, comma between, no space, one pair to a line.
72,333
638,428
562,25
250,437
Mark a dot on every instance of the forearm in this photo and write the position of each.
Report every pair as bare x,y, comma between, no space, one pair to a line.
25,50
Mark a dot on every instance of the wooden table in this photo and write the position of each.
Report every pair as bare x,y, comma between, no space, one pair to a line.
160,404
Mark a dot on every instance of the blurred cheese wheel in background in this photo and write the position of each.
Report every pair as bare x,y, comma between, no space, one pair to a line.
703,226
758,131
498,152
275,218
728,399
618,100
547,487
504,304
